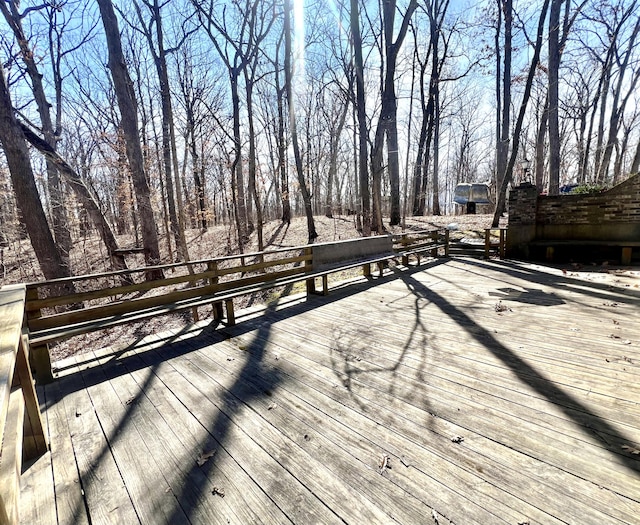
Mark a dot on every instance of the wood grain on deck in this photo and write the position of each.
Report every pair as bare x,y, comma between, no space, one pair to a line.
466,392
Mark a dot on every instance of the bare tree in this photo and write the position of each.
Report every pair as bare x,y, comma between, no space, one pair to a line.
506,179
293,129
154,34
363,171
129,122
25,190
387,122
50,130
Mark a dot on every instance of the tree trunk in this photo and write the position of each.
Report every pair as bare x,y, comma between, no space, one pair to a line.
25,190
388,113
540,146
306,197
618,106
502,191
635,163
129,122
249,83
363,132
419,188
554,70
59,220
281,144
505,123
237,170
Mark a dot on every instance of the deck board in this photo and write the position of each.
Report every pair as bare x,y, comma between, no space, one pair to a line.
299,403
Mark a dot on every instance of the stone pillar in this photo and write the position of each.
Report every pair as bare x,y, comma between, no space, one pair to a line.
523,200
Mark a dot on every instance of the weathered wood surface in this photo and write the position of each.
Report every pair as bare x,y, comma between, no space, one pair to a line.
467,392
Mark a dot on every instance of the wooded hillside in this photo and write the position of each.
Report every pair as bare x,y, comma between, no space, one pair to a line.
157,120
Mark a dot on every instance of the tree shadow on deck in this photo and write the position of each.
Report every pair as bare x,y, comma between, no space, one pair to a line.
604,291
160,350
527,374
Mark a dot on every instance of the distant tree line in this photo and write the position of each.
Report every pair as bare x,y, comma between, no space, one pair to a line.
152,117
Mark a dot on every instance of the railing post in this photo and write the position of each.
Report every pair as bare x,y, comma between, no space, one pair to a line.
308,268
39,357
446,243
218,311
487,242
434,238
502,242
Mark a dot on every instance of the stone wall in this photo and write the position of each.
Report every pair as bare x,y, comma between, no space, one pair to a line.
613,215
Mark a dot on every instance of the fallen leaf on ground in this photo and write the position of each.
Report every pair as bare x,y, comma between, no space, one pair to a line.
272,406
218,491
631,450
457,439
499,307
203,457
435,517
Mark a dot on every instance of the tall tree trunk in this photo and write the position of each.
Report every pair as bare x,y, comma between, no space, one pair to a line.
61,231
240,207
282,146
502,152
502,191
540,146
169,154
436,152
306,197
554,70
25,190
363,132
635,163
253,189
388,125
419,188
376,179
129,122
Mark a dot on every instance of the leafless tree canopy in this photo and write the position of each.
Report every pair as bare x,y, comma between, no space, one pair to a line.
153,117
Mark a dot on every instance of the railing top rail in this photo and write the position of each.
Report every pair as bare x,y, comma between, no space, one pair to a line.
144,269
264,253
12,298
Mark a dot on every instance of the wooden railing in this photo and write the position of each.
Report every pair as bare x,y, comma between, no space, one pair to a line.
108,299
21,430
495,239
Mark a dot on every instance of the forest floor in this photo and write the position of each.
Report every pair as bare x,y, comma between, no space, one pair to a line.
18,263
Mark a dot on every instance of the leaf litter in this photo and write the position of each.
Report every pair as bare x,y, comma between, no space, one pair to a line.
203,457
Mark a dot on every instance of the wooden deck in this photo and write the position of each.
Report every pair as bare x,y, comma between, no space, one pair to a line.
468,392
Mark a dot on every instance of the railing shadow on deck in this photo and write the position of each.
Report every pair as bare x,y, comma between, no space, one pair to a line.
525,372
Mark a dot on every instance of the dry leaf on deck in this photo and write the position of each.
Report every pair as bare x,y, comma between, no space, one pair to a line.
218,491
203,457
457,439
384,463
